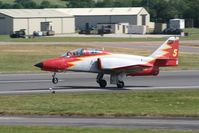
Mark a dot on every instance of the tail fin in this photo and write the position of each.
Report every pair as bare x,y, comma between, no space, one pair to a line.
167,53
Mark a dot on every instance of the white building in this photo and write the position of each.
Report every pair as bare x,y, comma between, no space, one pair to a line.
66,20
177,23
35,20
93,16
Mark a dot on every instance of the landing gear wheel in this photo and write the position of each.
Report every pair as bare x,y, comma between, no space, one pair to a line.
120,84
102,83
55,80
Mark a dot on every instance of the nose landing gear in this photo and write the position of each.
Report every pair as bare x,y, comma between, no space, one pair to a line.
54,79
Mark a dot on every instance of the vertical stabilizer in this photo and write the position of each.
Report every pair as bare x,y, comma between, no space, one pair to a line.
167,53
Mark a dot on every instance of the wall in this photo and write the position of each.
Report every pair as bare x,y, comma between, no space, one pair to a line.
139,17
6,24
30,24
137,29
80,21
59,25
68,25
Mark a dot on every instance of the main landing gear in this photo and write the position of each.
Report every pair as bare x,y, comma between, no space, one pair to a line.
102,83
120,84
54,79
116,78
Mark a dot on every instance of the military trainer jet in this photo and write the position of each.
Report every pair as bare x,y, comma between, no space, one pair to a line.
117,65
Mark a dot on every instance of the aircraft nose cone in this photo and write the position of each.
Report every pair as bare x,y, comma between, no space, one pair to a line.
40,65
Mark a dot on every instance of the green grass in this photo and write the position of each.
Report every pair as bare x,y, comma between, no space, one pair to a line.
192,30
193,34
182,103
33,129
186,62
21,58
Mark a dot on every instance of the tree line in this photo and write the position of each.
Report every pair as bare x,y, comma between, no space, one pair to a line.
160,10
27,4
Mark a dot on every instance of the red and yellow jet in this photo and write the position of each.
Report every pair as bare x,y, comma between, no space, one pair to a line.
117,65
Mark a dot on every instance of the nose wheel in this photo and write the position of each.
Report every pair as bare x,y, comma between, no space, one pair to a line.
54,79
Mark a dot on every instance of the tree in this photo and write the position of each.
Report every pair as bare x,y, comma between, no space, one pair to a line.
17,6
124,3
192,11
135,3
5,6
105,3
45,4
27,4
81,3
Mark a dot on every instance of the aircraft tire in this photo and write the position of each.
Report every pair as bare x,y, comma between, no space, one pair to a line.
55,80
120,84
102,83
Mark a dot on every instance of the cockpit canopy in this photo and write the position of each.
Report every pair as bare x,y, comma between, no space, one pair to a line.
82,51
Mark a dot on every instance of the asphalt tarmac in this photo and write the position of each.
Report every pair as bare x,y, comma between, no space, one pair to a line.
128,123
12,84
86,82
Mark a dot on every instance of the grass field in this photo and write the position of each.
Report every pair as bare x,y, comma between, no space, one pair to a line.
193,34
182,103
192,30
34,129
25,129
21,58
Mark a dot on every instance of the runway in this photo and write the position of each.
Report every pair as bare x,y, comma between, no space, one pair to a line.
12,84
86,82
106,122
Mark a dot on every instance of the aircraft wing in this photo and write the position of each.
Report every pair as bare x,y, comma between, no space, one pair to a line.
121,65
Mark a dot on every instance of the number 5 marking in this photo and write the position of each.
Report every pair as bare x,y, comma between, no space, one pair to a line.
175,52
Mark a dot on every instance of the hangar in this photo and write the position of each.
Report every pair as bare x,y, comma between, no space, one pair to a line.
85,17
35,20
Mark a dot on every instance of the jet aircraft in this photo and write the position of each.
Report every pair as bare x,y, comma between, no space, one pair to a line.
117,65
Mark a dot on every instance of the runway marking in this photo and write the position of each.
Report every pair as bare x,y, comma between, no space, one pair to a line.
68,90
165,87
11,118
77,73
26,81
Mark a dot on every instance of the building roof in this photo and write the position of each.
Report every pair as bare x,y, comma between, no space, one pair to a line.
101,11
33,13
